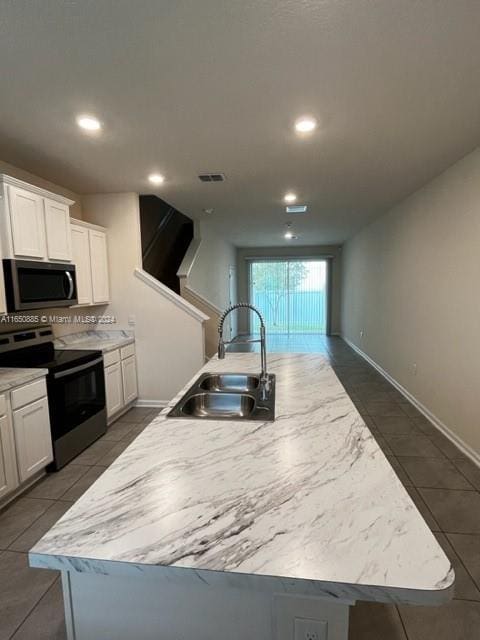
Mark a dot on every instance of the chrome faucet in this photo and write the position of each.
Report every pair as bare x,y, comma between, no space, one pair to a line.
264,378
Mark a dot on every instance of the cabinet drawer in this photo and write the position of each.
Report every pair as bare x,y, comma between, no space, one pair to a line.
3,405
112,357
28,393
127,351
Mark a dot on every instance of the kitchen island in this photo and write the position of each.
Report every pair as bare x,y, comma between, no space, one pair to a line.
212,529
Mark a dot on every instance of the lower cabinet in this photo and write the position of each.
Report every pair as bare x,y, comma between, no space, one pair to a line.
8,468
129,379
120,379
33,442
113,389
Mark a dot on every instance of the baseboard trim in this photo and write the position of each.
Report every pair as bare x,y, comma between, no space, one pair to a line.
155,404
442,427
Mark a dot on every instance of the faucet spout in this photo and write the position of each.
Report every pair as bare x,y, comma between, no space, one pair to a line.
264,379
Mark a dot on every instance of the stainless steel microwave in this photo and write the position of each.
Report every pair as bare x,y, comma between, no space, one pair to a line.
39,285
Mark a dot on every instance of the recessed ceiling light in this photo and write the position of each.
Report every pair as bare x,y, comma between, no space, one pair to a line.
156,178
288,235
210,210
89,123
290,197
305,124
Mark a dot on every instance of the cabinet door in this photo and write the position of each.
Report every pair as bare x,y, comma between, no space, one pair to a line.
113,389
99,266
57,227
33,442
27,223
81,259
129,377
8,472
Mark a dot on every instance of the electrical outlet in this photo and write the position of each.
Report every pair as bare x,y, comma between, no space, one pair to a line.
362,333
306,629
414,368
131,320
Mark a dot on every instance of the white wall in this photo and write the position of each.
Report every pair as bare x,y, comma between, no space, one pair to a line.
411,282
209,273
169,342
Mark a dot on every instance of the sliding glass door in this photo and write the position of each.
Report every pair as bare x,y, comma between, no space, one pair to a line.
291,294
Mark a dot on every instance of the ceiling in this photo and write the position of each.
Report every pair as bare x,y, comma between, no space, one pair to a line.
190,86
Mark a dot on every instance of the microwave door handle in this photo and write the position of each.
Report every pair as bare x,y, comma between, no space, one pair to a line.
70,284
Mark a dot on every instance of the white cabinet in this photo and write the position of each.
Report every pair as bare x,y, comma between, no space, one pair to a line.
8,469
34,222
27,223
129,379
121,387
113,389
81,259
33,443
99,263
57,227
89,249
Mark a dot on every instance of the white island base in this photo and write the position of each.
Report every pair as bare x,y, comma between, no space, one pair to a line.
142,608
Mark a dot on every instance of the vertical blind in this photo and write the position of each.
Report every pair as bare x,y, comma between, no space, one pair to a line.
290,294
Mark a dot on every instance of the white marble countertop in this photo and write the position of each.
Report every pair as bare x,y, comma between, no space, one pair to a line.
306,504
11,377
102,340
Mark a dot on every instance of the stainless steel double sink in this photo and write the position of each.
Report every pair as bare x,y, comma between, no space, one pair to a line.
227,396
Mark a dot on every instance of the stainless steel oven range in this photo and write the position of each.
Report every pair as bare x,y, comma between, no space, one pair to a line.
75,388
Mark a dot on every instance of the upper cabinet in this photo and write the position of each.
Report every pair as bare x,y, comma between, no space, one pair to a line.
89,250
34,223
57,226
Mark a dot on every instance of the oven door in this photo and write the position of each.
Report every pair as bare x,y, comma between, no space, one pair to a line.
39,285
75,396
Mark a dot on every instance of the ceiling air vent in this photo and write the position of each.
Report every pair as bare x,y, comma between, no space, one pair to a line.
212,177
296,208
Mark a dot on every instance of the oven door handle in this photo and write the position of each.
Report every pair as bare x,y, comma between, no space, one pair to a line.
81,367
70,285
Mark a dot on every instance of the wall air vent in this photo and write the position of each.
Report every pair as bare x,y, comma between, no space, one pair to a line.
212,177
296,208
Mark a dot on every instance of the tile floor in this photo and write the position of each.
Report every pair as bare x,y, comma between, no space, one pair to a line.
444,485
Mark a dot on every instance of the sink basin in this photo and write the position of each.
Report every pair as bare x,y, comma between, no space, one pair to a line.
219,405
227,396
237,382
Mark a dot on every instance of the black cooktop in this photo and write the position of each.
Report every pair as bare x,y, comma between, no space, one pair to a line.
46,357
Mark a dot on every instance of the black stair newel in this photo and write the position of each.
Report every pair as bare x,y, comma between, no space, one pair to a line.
166,235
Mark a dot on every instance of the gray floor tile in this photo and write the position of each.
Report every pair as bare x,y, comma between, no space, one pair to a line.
469,470
21,587
47,620
457,620
447,447
135,432
137,414
110,457
425,426
413,445
118,430
467,547
409,409
397,467
383,444
375,621
395,425
97,450
455,511
19,516
435,473
465,588
83,484
36,530
54,485
423,509
381,409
